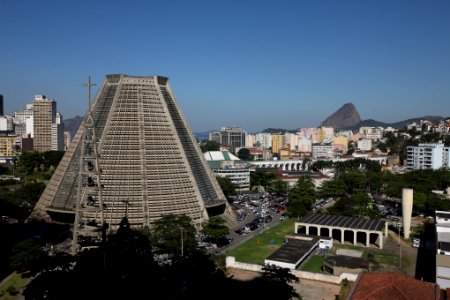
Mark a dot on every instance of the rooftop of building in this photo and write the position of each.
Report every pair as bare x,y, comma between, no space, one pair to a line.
442,214
296,247
391,285
215,159
220,155
346,222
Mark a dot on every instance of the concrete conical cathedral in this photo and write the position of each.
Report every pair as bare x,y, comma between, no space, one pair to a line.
134,155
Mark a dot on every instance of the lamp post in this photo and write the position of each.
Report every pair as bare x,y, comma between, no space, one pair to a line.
181,230
399,243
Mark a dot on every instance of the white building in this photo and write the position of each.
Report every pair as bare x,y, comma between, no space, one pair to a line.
322,151
323,135
233,137
290,141
6,124
365,145
214,136
347,133
306,133
58,133
250,140
264,140
225,164
23,121
373,133
443,249
428,156
305,145
414,125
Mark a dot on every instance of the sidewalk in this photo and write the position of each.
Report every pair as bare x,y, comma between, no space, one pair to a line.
7,278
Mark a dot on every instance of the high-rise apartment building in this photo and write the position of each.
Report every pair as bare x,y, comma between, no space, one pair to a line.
340,144
232,137
58,133
23,121
214,136
290,141
428,156
7,144
305,146
322,151
44,115
264,140
133,155
67,140
250,140
323,135
6,124
277,143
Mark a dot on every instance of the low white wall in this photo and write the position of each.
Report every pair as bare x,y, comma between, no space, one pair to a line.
232,263
279,264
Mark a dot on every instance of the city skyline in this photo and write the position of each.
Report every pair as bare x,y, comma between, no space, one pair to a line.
255,65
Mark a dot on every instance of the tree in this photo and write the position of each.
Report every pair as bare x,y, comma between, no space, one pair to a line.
322,164
354,180
28,256
306,163
261,178
170,232
228,187
280,185
210,146
332,188
127,251
244,154
357,205
361,202
121,268
345,206
301,197
216,229
279,278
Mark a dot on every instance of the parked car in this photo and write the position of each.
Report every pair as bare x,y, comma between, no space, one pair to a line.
417,242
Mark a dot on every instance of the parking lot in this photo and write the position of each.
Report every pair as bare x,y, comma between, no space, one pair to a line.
257,210
255,213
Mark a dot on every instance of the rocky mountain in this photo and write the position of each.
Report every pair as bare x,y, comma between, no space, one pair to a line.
345,117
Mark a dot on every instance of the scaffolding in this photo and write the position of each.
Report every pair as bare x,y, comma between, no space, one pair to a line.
89,225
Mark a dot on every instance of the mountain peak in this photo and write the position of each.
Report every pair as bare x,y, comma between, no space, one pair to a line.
344,117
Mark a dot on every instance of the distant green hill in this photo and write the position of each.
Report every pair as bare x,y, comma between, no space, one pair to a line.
279,130
397,125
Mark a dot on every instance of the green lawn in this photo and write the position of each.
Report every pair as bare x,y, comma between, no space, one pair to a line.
314,264
262,245
16,282
384,257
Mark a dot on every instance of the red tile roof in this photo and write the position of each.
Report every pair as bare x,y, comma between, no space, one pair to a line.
383,286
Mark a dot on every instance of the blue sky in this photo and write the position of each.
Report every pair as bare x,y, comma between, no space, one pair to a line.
254,64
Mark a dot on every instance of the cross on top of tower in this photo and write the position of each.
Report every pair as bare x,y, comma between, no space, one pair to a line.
89,85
